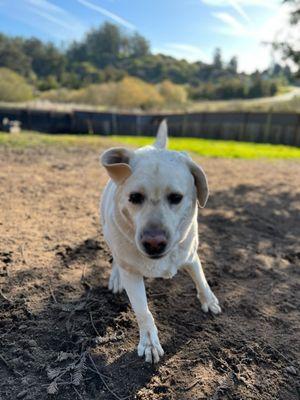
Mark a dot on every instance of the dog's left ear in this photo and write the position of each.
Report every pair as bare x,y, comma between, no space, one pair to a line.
200,182
116,161
162,135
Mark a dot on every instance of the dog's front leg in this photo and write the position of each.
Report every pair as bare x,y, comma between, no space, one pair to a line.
204,293
149,344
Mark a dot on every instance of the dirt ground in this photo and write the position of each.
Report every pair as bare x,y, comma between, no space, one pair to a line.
63,335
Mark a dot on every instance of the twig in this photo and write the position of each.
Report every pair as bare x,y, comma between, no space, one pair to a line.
52,293
9,367
83,273
103,380
93,325
191,386
4,297
95,372
22,253
220,361
78,394
282,355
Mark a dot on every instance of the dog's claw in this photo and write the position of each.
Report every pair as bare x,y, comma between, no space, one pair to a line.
211,304
150,347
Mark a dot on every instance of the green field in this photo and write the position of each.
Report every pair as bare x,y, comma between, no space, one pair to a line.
219,148
202,147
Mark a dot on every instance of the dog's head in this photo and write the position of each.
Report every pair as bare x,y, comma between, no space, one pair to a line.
157,192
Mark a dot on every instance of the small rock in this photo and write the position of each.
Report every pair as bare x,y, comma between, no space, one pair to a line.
22,394
291,370
32,343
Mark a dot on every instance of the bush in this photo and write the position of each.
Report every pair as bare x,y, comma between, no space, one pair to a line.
173,94
127,94
134,93
13,87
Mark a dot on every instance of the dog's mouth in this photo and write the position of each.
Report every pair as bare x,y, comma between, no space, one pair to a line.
153,256
156,257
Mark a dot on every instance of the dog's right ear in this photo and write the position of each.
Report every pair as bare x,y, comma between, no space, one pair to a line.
116,161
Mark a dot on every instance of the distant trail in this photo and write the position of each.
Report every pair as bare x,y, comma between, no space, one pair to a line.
279,98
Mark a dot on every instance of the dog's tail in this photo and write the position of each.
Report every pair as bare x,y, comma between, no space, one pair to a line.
162,135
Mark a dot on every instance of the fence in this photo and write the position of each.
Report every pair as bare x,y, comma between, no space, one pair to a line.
280,128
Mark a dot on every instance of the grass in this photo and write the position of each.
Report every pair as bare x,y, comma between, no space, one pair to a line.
219,148
202,147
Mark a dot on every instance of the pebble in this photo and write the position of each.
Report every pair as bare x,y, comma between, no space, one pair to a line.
291,370
22,394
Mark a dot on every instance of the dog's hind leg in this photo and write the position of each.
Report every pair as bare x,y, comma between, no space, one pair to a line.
115,284
208,300
149,344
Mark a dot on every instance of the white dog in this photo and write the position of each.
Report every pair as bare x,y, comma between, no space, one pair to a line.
149,218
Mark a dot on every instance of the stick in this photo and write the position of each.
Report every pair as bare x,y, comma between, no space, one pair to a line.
93,325
22,253
78,394
52,294
4,297
103,380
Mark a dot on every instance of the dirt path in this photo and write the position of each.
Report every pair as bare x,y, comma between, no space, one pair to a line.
61,331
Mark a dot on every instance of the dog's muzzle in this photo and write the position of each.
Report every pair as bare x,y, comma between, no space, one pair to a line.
154,242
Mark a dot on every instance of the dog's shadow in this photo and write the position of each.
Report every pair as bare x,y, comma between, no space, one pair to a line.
103,324
110,328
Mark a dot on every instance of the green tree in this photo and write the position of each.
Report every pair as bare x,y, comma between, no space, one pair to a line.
217,59
138,46
46,60
233,65
12,55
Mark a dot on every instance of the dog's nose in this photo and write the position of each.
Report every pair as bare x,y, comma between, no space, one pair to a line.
154,242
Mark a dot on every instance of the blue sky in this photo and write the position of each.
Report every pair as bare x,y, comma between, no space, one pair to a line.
188,29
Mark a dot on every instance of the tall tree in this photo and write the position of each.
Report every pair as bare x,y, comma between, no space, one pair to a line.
139,46
217,59
233,65
12,55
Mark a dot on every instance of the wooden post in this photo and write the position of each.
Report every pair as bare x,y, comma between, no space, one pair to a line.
267,127
184,123
114,124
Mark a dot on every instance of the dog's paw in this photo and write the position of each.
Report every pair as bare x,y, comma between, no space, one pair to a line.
150,346
115,284
211,303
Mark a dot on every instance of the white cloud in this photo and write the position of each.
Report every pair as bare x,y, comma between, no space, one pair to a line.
183,50
66,24
237,7
234,27
106,13
243,3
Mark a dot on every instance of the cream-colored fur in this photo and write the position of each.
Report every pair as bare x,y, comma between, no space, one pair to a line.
155,172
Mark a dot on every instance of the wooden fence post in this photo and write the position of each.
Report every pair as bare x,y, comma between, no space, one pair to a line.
268,126
114,123
184,123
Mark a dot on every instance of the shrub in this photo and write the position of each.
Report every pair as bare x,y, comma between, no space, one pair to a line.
172,93
127,94
133,93
13,87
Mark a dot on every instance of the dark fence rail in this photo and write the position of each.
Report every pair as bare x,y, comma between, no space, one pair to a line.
279,128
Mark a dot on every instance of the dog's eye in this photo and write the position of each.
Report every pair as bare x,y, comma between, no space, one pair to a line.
136,198
174,198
